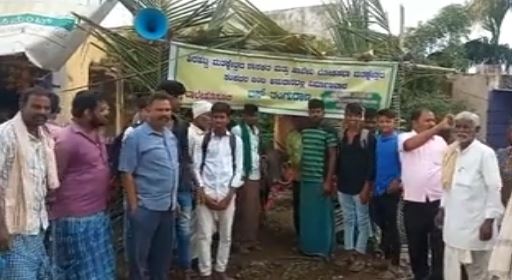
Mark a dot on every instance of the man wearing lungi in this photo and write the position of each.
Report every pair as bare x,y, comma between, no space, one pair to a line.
82,232
319,141
27,171
248,205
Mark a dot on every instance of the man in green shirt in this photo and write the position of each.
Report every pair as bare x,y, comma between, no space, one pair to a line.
319,141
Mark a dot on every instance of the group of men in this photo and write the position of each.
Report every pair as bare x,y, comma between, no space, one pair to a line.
452,201
58,174
57,183
185,182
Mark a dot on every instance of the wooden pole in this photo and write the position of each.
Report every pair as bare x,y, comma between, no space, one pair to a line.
402,27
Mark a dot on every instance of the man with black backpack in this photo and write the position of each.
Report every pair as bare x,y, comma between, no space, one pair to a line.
114,152
218,166
115,148
355,175
175,90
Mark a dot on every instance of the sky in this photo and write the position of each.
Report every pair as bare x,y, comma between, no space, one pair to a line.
415,11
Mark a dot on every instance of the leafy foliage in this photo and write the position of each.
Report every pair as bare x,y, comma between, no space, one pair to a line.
361,26
440,40
145,63
491,13
426,89
360,29
226,24
482,51
443,40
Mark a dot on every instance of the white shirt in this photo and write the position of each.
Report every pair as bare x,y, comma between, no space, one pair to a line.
195,139
127,132
421,168
35,162
130,129
473,197
254,134
217,176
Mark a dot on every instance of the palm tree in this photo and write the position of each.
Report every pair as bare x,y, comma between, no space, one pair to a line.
491,13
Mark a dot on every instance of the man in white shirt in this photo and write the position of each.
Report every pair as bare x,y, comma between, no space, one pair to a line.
139,117
27,172
471,203
248,202
201,111
218,165
201,114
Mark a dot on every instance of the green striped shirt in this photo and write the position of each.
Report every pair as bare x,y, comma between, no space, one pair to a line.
315,143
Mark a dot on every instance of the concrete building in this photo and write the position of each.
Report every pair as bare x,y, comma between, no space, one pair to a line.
490,96
312,20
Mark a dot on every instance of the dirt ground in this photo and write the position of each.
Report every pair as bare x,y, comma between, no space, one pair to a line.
279,259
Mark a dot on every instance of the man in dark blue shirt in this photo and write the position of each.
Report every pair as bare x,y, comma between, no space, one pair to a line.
387,187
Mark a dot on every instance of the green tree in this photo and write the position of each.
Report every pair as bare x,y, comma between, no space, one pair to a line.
440,40
362,25
491,14
427,89
360,29
482,51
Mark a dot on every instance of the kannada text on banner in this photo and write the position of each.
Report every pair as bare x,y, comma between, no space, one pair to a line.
279,85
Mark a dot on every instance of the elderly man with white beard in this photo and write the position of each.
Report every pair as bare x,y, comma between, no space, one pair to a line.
471,203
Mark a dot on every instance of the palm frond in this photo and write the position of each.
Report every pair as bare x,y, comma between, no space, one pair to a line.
357,26
227,24
491,14
145,63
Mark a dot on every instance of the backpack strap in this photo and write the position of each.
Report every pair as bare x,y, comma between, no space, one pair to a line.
363,139
204,148
232,144
341,135
114,150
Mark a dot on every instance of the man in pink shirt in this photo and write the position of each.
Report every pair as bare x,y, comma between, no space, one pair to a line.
421,155
81,227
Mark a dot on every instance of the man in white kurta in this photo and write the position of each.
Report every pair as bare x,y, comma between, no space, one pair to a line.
471,202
